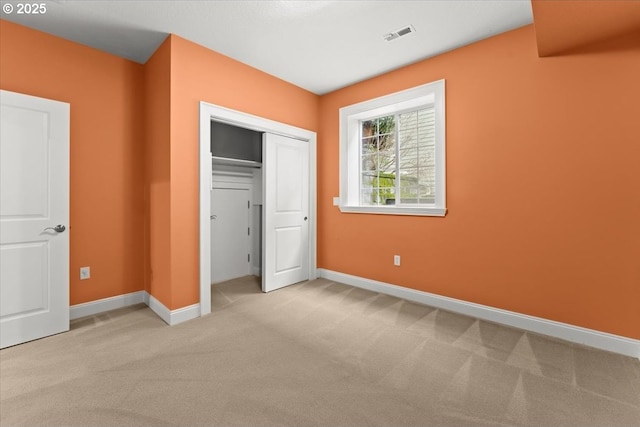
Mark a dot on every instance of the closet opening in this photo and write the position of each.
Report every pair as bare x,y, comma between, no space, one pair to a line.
236,202
275,167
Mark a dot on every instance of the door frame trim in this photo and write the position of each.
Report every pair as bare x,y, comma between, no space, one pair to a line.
210,112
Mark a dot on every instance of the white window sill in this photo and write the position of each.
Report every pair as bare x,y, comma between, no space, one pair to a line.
395,210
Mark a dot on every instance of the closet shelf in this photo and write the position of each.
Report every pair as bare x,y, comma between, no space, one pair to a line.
234,162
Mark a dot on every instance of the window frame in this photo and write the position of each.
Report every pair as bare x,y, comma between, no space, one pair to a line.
350,117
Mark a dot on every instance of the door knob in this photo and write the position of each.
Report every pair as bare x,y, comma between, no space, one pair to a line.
58,228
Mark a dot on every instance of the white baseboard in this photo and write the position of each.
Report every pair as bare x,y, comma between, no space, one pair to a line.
170,317
185,313
575,334
106,304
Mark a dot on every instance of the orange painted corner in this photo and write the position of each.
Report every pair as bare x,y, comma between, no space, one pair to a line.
563,25
157,118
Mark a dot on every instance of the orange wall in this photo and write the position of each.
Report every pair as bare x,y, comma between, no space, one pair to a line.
157,118
543,187
107,163
199,74
562,25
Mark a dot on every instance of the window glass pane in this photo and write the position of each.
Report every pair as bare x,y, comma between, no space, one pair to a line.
408,141
386,181
377,187
407,125
369,128
408,120
369,145
387,196
387,142
378,165
367,196
416,130
409,158
410,193
377,196
369,163
386,162
386,125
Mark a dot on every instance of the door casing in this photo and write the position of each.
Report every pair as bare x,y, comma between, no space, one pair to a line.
210,112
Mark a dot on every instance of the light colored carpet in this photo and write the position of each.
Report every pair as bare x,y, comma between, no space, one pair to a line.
313,354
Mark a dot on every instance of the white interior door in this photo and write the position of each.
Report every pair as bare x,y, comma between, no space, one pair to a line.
230,234
286,211
34,214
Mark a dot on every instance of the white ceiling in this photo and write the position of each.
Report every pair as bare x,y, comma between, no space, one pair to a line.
317,45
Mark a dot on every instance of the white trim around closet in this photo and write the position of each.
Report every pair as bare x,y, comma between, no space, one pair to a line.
210,112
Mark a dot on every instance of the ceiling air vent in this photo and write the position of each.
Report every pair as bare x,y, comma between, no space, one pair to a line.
399,33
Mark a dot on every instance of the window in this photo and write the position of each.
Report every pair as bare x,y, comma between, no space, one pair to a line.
392,153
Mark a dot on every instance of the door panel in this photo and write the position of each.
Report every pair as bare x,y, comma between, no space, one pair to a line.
289,197
28,261
288,257
34,188
286,211
230,241
30,197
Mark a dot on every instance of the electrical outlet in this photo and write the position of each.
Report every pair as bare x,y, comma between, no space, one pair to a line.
85,273
396,260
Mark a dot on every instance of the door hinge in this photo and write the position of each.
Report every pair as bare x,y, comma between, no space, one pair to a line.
248,204
248,257
248,231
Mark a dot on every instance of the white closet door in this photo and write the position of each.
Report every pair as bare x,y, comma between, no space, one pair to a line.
230,239
286,211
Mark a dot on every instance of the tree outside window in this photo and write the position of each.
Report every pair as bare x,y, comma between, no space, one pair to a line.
398,159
